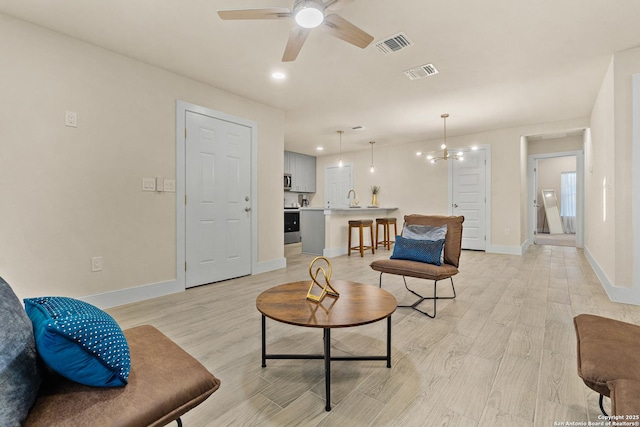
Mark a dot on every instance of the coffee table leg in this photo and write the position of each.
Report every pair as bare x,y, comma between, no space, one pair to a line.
389,342
264,342
327,368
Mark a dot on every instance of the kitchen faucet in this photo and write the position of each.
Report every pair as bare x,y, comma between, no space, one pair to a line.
349,196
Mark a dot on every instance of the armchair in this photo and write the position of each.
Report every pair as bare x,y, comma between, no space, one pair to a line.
423,270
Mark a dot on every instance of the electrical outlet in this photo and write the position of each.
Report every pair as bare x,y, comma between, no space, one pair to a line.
71,119
96,263
148,184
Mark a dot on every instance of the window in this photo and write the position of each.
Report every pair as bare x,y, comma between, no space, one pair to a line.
568,200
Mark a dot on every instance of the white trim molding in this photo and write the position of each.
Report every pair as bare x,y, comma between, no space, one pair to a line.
181,111
635,179
127,296
615,293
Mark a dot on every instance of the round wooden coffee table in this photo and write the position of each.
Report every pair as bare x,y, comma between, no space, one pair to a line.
358,304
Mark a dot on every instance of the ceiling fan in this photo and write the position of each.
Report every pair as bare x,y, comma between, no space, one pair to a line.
308,14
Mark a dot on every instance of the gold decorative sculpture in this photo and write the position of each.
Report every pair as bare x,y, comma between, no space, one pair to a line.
327,289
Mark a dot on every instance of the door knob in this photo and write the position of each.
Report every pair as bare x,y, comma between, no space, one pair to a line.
247,209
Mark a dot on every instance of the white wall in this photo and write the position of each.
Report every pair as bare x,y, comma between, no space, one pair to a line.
555,145
72,193
609,153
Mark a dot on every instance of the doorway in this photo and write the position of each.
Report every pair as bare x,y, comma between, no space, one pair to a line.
215,190
563,174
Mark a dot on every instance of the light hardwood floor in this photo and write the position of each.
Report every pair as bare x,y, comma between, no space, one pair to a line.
503,353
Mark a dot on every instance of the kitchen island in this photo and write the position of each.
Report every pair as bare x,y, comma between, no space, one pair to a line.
326,231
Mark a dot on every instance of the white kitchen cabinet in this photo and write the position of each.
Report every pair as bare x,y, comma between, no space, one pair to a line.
287,162
303,171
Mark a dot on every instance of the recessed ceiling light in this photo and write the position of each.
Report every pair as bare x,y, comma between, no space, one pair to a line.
320,148
278,75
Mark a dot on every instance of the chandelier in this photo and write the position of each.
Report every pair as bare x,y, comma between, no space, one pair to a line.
434,157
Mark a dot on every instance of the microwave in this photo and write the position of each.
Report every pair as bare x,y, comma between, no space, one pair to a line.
287,181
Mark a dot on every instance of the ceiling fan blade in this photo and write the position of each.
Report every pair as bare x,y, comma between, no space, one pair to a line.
270,13
297,38
336,4
339,27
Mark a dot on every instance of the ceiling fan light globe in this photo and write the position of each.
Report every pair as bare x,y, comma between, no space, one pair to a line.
308,13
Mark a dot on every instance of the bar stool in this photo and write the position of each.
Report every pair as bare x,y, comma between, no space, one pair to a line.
361,224
386,223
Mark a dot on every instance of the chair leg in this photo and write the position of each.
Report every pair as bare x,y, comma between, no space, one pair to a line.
179,421
373,250
435,296
602,406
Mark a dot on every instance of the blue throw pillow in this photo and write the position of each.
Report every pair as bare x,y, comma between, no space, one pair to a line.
427,251
426,232
79,341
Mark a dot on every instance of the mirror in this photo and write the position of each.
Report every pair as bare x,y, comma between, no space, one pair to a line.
551,211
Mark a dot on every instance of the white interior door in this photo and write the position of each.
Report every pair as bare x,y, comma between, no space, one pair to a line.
337,183
469,198
217,190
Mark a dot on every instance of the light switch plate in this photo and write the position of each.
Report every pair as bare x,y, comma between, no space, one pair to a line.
170,185
148,184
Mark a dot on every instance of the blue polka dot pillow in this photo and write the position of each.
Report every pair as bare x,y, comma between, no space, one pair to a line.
427,251
79,341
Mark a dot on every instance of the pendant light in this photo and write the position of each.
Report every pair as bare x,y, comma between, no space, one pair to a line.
433,158
340,164
372,169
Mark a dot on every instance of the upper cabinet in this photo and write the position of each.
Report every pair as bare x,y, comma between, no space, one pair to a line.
303,171
287,161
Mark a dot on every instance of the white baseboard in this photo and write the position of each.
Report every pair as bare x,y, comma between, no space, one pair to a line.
129,295
263,267
616,293
334,252
154,290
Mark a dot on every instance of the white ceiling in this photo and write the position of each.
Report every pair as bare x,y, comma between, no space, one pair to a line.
502,63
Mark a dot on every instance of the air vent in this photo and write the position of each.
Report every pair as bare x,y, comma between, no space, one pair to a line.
394,43
421,71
